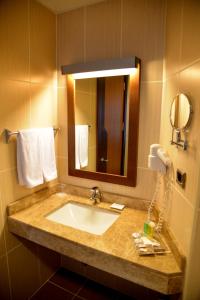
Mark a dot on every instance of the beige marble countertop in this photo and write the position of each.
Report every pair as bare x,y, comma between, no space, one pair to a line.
113,252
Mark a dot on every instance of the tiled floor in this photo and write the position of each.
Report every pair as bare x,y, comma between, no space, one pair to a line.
65,285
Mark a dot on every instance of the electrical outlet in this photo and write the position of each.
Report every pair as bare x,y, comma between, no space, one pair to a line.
180,178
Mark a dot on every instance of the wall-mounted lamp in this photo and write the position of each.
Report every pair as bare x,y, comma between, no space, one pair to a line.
102,68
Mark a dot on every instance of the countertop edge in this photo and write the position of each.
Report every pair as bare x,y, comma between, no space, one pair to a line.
163,283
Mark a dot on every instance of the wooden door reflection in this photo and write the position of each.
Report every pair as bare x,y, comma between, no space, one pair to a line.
111,124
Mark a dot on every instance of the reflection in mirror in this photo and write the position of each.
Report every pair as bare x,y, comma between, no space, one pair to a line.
103,120
180,112
180,117
101,124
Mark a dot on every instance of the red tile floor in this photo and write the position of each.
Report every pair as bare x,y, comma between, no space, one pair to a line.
66,285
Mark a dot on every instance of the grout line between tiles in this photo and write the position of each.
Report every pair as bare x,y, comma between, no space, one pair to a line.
6,254
84,32
29,81
60,287
79,297
29,40
121,28
81,287
181,33
9,280
49,279
183,196
38,264
14,248
164,40
56,16
37,290
181,70
2,256
8,169
8,269
173,185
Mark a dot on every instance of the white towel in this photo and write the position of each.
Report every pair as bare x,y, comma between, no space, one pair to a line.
35,156
47,150
77,140
81,146
29,166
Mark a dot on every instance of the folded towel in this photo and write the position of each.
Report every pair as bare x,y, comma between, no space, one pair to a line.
81,146
47,151
29,166
35,156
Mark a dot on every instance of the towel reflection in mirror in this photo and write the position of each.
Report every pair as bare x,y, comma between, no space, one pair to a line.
81,146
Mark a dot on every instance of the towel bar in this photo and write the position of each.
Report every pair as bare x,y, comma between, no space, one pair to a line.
8,133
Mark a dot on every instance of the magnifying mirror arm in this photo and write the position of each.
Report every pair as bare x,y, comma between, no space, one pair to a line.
179,142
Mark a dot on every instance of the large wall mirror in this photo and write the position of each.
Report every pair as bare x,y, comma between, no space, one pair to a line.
101,124
103,117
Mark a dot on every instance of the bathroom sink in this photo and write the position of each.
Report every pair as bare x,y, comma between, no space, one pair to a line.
84,217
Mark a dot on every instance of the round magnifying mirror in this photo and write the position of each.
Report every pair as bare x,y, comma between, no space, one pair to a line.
180,113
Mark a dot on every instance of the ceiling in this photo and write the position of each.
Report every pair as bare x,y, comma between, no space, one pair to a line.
60,6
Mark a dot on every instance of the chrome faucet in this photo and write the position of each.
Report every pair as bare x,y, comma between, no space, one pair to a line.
96,195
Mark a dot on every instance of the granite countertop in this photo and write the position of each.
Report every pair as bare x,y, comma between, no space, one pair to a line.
113,251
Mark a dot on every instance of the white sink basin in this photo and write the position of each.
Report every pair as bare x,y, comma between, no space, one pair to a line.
84,217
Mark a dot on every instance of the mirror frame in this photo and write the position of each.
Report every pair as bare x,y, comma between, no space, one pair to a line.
134,101
189,118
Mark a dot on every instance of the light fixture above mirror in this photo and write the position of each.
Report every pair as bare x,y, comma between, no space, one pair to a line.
109,89
103,68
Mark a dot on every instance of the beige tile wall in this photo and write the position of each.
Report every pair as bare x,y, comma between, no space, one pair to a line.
116,28
181,74
192,288
28,98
